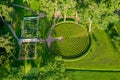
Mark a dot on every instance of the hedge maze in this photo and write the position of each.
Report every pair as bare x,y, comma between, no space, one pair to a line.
75,40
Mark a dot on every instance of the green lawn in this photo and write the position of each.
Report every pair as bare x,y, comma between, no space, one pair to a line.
92,75
101,55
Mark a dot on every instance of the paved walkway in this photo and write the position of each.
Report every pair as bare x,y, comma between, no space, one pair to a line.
31,40
50,39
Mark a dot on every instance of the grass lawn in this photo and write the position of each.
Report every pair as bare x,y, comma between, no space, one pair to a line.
92,75
101,55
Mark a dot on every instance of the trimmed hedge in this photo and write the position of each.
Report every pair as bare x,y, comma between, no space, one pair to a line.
75,40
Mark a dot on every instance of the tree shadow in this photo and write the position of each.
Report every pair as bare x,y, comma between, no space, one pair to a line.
94,38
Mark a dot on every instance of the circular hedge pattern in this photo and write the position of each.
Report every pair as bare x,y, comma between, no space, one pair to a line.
75,40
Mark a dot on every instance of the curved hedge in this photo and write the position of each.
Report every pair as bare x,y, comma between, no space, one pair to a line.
75,40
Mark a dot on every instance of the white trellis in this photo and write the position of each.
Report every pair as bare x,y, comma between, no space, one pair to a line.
29,38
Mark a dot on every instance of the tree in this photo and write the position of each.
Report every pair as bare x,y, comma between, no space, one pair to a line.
5,48
13,74
67,4
46,6
6,11
98,14
53,70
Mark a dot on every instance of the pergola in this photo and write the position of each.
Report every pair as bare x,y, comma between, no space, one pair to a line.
29,38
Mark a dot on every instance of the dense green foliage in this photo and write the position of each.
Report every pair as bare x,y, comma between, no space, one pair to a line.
5,48
98,13
13,74
6,10
6,59
53,70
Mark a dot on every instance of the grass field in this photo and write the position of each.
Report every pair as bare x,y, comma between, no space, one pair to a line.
92,75
101,55
101,62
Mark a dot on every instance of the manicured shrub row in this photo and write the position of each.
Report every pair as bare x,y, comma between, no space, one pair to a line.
75,40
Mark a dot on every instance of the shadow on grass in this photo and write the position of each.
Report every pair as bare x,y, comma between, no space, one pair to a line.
93,70
94,38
